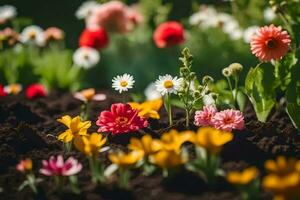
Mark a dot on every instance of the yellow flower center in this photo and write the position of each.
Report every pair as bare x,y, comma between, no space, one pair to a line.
168,84
122,120
123,83
86,56
32,35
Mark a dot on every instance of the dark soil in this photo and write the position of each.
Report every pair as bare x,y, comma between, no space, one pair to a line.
27,129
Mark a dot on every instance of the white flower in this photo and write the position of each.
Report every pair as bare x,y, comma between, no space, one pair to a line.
85,9
208,100
123,83
151,93
33,35
269,15
236,34
7,12
167,84
86,57
205,17
249,32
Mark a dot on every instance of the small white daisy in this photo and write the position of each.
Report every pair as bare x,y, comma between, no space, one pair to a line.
151,93
85,9
86,57
269,14
33,35
249,32
167,84
123,83
7,12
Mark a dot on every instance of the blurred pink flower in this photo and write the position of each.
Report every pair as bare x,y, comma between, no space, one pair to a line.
24,165
54,33
204,117
56,166
227,120
134,14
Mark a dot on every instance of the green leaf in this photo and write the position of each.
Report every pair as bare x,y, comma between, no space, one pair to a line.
293,111
260,85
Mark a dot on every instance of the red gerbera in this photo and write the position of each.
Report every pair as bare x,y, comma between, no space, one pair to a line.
169,34
35,90
270,42
120,119
97,38
2,92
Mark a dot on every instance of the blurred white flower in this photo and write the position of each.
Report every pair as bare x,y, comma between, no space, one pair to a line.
151,93
269,14
85,9
86,57
33,35
204,18
123,83
167,84
7,12
236,34
249,32
208,100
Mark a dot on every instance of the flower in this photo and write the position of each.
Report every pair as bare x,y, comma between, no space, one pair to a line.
33,35
134,15
204,117
269,14
10,36
123,83
151,93
126,160
168,34
2,91
35,90
7,12
86,57
146,144
249,33
242,178
229,119
56,166
54,33
89,95
168,159
90,144
167,84
282,166
173,140
13,88
270,42
211,139
75,128
24,165
85,9
120,119
96,38
148,109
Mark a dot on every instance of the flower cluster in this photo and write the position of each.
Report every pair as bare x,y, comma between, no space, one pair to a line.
33,91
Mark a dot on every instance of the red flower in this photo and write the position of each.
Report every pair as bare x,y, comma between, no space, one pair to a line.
169,34
96,38
2,92
120,119
270,42
35,90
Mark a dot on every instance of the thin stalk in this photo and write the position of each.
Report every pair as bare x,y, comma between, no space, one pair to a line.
187,118
236,81
231,89
168,107
124,177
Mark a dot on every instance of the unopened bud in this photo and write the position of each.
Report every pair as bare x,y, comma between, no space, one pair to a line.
227,72
197,94
235,68
184,71
207,79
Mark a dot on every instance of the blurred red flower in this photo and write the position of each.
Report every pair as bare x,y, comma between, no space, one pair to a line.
120,119
96,38
2,92
35,90
169,34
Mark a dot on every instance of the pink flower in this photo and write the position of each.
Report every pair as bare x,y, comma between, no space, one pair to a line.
56,166
120,119
204,117
54,33
35,90
227,120
24,165
2,91
269,43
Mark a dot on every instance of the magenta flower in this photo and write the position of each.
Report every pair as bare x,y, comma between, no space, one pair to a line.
56,166
227,120
204,117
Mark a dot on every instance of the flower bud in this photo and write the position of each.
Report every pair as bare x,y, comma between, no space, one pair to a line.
197,94
227,72
193,75
207,79
236,68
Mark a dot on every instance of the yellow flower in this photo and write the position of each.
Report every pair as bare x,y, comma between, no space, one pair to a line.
126,160
148,109
173,139
146,144
90,144
282,166
14,88
242,178
168,159
75,128
212,139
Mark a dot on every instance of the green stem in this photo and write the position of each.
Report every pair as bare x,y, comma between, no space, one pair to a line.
32,182
124,178
85,111
236,81
96,170
168,107
187,118
67,147
231,89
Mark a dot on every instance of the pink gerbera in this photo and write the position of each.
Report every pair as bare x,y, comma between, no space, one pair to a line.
270,42
229,119
204,117
120,119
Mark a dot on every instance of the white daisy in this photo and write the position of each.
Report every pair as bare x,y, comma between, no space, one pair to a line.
85,9
123,83
33,35
86,57
167,84
249,32
269,14
7,12
151,93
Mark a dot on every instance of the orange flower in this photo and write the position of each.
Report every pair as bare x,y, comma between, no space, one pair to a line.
148,109
242,178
